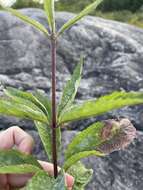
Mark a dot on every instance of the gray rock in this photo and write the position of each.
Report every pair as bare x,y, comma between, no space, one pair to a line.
113,59
119,171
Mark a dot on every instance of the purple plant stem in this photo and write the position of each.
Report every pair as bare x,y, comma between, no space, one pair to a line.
54,122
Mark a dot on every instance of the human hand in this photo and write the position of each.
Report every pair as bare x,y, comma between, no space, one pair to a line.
14,136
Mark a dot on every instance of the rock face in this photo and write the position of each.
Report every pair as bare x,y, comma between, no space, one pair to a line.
113,59
119,171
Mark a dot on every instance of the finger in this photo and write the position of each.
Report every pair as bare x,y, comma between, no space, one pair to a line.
3,181
16,136
69,181
18,180
21,180
49,168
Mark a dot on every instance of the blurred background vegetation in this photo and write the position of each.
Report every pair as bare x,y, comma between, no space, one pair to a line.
128,11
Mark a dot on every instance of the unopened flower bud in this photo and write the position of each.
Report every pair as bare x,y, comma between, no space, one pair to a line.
116,135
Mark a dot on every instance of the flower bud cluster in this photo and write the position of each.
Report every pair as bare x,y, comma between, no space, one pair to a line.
116,135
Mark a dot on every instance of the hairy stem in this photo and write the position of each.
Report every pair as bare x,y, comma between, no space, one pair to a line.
54,122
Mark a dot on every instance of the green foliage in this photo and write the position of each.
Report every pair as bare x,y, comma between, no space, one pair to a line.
59,183
102,105
15,157
81,175
107,5
78,156
77,6
13,161
127,11
72,5
44,99
49,9
122,16
11,108
45,135
28,20
136,19
87,140
85,144
70,89
132,5
83,13
26,4
27,98
42,181
18,169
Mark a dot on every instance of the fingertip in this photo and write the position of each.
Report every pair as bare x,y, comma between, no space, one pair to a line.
23,140
26,144
69,181
16,136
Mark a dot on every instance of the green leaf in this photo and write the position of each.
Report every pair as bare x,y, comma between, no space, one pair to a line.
15,157
49,9
42,181
83,13
43,98
20,100
59,141
9,107
78,156
59,183
87,140
45,133
28,20
19,169
46,138
81,175
26,98
70,89
102,105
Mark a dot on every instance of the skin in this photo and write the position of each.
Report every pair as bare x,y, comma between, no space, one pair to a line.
14,136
